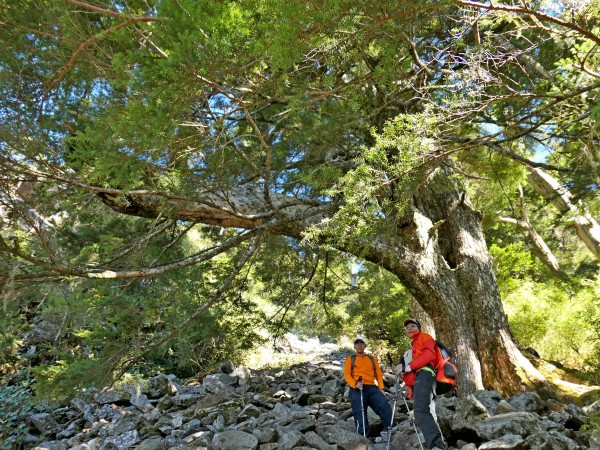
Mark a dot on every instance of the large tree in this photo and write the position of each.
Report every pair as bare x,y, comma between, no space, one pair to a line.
342,123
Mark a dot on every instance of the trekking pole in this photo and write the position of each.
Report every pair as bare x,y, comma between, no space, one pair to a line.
397,388
362,408
411,420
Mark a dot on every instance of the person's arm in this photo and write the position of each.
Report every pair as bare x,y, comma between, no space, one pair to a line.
348,373
378,375
427,355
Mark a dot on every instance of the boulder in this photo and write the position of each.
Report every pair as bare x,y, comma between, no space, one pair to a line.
342,436
527,402
519,423
489,399
121,441
314,440
469,412
43,423
234,440
506,442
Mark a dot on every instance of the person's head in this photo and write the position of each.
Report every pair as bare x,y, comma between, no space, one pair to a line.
411,326
360,344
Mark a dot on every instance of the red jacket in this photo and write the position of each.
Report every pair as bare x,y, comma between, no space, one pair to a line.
423,353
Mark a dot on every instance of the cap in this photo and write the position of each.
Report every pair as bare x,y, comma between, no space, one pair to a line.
416,322
360,339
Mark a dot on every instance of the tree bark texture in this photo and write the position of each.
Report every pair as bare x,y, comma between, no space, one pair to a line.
446,266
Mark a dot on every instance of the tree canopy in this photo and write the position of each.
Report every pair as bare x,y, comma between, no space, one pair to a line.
160,151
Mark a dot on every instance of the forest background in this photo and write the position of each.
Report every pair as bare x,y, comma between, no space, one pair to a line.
183,182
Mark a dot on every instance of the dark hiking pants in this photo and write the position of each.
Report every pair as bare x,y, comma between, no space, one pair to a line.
374,398
422,396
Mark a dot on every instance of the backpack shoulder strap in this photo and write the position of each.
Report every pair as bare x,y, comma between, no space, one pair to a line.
373,362
353,362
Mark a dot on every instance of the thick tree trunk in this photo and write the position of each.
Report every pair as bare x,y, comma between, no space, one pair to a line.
438,251
448,270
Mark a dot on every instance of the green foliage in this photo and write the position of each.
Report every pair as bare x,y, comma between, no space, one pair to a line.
352,104
16,404
558,319
376,193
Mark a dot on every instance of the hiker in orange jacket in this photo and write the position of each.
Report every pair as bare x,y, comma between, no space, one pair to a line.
366,392
418,370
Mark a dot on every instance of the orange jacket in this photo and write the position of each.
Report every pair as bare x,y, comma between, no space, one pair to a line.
423,353
363,367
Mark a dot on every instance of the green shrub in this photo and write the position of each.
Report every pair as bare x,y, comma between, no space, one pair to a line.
16,403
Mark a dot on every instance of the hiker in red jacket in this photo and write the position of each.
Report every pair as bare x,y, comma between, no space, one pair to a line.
418,371
362,372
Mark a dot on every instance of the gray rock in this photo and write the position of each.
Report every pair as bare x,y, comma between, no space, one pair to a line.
48,445
330,388
157,387
44,423
342,436
141,401
314,399
86,409
559,417
280,410
520,423
185,400
506,442
227,367
577,419
489,399
468,413
405,437
289,438
119,427
164,403
595,440
108,396
505,407
550,441
149,444
450,403
71,430
314,440
549,425
249,411
241,372
589,409
270,446
527,402
468,447
265,434
219,382
234,440
124,440
199,438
